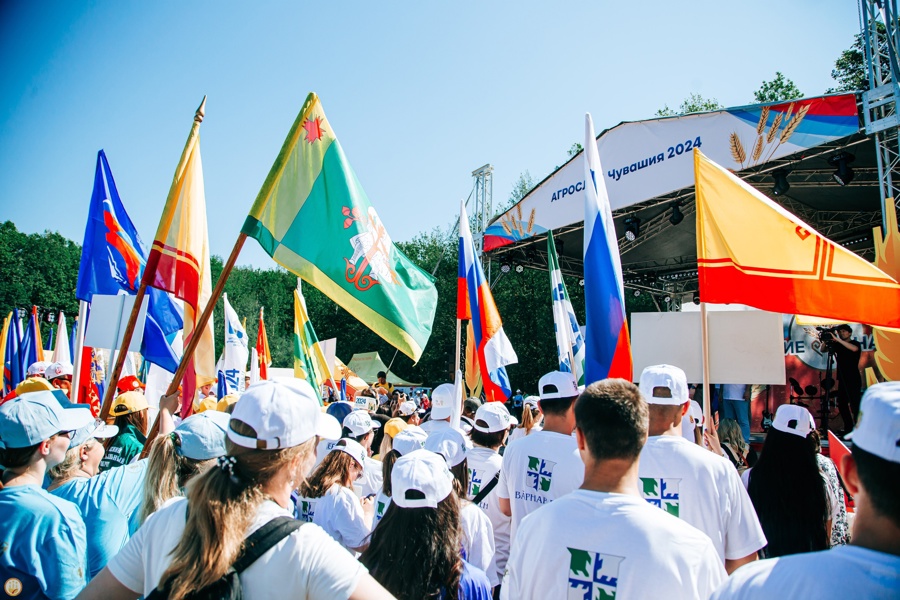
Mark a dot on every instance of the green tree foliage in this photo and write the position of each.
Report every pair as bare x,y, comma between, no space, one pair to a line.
574,149
692,104
38,269
850,68
522,186
780,88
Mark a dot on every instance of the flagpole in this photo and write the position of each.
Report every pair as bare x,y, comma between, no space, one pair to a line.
458,341
707,398
79,347
205,316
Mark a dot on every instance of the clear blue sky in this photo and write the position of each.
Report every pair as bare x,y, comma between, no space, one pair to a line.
419,93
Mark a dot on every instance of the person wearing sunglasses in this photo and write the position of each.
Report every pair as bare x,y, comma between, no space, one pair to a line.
43,537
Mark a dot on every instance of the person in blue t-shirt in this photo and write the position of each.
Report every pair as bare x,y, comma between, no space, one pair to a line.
42,537
424,513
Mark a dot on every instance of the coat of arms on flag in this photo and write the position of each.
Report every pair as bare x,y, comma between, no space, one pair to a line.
592,576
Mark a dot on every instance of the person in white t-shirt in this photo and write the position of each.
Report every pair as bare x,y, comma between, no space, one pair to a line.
689,482
545,465
603,540
531,419
489,432
359,427
192,543
327,498
442,400
478,533
410,439
870,566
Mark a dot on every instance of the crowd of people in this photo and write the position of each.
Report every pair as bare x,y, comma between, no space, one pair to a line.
606,491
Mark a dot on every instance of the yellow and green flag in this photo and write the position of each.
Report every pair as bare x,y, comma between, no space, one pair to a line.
313,217
309,360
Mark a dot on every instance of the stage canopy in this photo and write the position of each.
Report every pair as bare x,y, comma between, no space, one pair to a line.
648,170
368,364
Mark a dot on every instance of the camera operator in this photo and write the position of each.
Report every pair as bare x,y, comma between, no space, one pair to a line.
847,353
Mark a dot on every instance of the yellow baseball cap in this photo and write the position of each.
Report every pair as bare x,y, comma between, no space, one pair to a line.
34,384
127,403
226,401
208,403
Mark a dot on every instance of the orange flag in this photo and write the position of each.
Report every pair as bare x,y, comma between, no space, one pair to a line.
179,260
752,251
262,348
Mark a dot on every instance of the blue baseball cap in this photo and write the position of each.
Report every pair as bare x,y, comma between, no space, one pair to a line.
95,429
202,436
37,416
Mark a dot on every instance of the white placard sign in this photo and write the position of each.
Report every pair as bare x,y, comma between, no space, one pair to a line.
744,346
108,320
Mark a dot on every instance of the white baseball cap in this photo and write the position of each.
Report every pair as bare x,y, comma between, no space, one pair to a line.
557,384
695,412
493,416
408,407
442,399
37,368
420,479
351,447
877,428
793,418
360,423
97,429
409,440
58,369
657,378
283,414
449,443
531,401
37,416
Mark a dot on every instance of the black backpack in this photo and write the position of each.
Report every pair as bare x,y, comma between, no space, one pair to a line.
228,587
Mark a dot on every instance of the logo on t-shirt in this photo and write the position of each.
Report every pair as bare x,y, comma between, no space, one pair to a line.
662,492
539,473
307,510
592,576
474,482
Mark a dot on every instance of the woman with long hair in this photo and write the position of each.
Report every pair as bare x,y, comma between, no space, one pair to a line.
178,457
410,439
130,411
733,445
391,428
414,551
840,528
192,543
478,532
787,489
532,417
328,500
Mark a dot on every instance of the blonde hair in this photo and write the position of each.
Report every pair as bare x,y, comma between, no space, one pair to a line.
730,433
169,472
72,462
334,468
387,444
530,418
221,507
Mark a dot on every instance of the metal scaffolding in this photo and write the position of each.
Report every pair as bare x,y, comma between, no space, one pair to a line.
484,209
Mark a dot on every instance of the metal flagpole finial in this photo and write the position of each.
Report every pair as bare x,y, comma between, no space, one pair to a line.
201,111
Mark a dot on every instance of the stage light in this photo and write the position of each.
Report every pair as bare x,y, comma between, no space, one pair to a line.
696,297
581,282
667,298
519,268
677,216
632,228
504,267
637,293
844,174
781,186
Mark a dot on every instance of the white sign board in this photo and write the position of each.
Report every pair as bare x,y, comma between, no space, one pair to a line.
744,346
108,320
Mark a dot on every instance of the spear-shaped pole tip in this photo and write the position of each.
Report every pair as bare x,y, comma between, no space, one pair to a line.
201,111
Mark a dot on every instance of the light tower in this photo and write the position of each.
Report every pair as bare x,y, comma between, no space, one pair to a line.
484,209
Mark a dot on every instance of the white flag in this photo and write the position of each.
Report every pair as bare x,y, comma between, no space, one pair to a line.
61,352
235,354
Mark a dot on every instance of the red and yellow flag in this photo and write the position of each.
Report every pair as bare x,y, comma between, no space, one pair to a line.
262,348
752,251
179,260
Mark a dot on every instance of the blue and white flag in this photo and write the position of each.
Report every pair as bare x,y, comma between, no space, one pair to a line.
569,341
235,355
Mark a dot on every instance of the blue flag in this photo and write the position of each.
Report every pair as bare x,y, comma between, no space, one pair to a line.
221,386
30,350
13,374
112,262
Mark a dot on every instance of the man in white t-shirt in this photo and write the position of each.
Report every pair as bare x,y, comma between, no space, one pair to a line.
545,465
442,400
603,540
690,482
870,566
490,430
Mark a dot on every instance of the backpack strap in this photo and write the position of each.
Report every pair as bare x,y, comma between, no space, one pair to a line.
482,494
263,539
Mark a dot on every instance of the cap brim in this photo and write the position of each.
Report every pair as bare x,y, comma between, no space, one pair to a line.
327,427
376,425
105,431
75,418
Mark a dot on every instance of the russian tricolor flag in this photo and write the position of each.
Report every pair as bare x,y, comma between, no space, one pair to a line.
607,345
474,301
